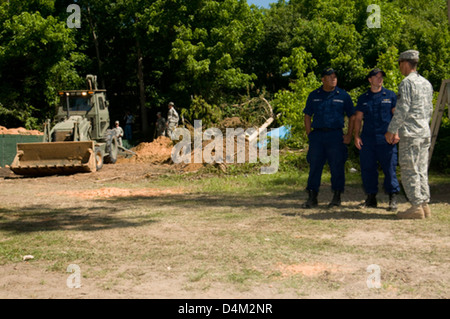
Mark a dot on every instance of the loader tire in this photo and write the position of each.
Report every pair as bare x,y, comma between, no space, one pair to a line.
99,158
112,148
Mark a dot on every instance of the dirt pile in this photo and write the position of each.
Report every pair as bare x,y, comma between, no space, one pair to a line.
157,152
18,131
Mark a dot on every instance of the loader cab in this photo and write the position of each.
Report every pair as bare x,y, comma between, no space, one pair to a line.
101,119
91,105
77,104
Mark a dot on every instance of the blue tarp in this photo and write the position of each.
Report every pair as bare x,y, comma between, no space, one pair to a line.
282,133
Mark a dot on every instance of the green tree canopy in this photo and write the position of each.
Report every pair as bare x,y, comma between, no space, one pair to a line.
37,57
149,52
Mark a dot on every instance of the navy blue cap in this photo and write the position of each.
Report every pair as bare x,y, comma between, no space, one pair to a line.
375,72
328,71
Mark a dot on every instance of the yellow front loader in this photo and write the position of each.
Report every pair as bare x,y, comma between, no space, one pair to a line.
80,141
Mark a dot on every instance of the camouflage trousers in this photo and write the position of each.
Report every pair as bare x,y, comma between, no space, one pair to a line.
413,159
171,127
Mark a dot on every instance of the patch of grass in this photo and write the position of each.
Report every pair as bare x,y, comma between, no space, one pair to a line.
245,276
254,184
228,230
42,245
245,182
198,274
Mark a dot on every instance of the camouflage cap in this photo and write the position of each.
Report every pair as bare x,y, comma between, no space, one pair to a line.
412,55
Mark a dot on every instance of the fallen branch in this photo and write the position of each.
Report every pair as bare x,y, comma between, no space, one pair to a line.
265,125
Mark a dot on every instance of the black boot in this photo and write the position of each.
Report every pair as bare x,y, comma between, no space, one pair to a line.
371,201
392,202
312,200
336,201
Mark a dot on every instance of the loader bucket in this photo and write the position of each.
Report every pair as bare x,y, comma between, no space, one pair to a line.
57,158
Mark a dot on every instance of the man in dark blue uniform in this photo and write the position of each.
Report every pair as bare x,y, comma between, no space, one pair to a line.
376,108
325,113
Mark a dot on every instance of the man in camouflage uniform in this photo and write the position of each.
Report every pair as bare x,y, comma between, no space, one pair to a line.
119,132
160,125
172,119
411,126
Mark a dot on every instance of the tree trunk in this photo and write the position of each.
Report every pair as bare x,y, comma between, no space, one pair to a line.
97,49
144,113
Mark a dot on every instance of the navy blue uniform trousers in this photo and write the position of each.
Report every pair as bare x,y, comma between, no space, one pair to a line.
327,146
385,154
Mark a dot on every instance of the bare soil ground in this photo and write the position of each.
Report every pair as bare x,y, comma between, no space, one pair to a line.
135,235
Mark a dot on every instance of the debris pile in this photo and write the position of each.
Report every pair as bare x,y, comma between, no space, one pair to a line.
239,154
160,150
231,122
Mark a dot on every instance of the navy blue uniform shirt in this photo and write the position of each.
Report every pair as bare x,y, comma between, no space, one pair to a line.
377,109
328,109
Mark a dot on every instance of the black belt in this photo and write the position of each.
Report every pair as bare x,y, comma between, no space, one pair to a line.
326,129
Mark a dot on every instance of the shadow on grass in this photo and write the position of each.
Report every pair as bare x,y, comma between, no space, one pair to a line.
345,213
39,218
289,205
108,216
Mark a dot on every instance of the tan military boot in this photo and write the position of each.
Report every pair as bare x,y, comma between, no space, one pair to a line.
414,212
426,210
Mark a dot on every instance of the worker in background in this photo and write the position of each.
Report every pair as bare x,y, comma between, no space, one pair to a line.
119,132
376,108
160,125
172,119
